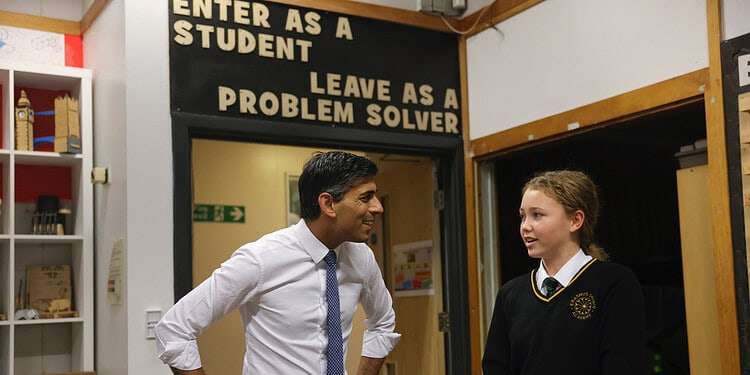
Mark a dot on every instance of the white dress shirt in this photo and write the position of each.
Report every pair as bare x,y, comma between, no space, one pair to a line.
566,272
279,285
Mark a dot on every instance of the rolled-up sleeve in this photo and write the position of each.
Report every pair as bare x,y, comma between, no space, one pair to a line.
231,285
379,338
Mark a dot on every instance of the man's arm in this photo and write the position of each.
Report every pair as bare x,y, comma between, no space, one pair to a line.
379,337
231,285
370,366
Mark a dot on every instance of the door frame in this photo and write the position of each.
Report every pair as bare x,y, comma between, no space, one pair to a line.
445,150
671,93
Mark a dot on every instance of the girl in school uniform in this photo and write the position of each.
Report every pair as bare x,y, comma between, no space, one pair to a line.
576,313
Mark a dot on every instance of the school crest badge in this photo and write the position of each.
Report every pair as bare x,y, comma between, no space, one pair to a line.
582,305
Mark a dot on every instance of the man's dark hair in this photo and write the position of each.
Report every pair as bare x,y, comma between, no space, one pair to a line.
333,172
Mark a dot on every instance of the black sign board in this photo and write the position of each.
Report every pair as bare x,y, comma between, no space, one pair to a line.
270,61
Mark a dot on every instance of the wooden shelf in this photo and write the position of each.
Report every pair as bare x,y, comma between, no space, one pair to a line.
47,158
40,238
46,321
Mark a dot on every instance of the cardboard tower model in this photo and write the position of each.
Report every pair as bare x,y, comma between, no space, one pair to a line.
24,124
67,125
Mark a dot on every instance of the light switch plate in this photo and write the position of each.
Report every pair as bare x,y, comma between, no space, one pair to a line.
152,317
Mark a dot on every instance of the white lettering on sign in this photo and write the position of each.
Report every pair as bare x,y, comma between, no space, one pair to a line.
743,64
451,101
411,119
294,22
343,29
353,87
243,27
240,11
243,41
286,105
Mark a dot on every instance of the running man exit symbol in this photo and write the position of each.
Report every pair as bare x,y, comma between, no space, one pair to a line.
218,213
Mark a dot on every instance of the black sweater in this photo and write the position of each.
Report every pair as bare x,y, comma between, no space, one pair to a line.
595,325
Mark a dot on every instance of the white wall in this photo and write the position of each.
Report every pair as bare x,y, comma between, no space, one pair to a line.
562,54
736,18
71,10
475,5
149,170
103,54
86,5
403,4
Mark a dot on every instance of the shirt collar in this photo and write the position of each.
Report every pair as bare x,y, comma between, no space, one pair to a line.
316,249
566,272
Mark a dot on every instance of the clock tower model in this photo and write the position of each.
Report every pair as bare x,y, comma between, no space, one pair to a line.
24,124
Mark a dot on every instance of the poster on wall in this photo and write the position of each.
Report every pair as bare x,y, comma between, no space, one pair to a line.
293,207
412,269
278,63
114,280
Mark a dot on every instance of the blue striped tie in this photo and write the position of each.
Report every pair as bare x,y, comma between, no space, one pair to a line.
335,353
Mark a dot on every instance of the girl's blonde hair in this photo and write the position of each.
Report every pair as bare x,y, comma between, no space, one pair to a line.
574,191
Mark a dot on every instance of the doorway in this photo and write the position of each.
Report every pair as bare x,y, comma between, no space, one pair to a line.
644,218
267,174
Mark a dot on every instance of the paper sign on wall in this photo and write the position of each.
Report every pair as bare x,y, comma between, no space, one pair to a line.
412,269
114,280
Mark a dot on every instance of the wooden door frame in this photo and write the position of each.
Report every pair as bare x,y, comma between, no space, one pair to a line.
705,84
718,174
447,151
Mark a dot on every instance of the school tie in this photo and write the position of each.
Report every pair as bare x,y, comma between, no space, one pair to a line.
335,353
550,285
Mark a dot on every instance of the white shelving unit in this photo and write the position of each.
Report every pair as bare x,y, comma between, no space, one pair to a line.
32,347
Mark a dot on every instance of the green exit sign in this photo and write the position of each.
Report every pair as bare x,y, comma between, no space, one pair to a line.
219,213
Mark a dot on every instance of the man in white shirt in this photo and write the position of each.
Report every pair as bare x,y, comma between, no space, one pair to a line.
297,288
